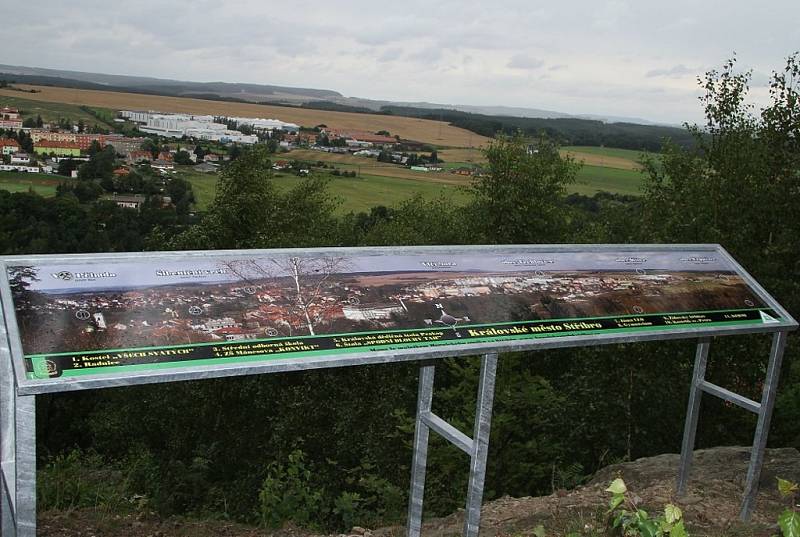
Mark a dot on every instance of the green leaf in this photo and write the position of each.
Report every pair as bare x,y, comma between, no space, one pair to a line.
648,528
789,522
617,487
672,513
678,530
615,501
538,531
618,520
786,488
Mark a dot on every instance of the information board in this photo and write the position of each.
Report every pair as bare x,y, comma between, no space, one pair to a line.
83,316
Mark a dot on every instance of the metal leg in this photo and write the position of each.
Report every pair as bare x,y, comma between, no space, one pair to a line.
692,414
762,428
25,488
480,445
420,460
7,440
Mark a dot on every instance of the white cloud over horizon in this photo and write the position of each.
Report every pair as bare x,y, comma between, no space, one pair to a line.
617,57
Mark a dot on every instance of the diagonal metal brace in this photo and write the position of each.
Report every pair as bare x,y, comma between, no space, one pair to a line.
477,447
763,409
448,432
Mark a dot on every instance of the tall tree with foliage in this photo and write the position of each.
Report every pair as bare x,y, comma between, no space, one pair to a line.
520,199
740,187
250,212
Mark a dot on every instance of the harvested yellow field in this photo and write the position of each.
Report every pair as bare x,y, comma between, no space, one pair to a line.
476,156
423,130
603,161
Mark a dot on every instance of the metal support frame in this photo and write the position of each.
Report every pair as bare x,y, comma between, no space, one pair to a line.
763,409
476,447
17,454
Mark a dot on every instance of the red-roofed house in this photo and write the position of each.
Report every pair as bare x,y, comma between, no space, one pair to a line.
10,118
139,156
38,135
361,136
9,113
61,149
8,146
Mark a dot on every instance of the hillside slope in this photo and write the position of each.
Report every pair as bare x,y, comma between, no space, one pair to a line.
711,507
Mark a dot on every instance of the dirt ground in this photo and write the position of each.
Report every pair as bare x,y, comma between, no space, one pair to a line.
710,508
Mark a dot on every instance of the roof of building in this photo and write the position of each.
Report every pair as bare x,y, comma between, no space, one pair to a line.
49,144
125,198
8,142
206,167
362,136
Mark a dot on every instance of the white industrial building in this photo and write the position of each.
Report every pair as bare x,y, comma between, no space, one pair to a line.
203,127
267,124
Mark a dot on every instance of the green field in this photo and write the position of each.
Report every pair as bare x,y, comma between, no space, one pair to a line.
355,193
204,185
42,184
52,112
593,179
368,190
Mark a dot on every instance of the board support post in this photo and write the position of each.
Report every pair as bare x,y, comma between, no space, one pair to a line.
692,414
25,489
480,445
8,470
762,427
763,409
420,459
476,447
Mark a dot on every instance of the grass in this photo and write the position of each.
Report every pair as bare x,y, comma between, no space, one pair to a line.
204,185
51,112
42,184
356,193
366,191
593,179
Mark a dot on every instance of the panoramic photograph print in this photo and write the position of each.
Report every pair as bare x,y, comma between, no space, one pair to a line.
134,304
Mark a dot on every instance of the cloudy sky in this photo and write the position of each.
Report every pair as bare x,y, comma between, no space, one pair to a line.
623,58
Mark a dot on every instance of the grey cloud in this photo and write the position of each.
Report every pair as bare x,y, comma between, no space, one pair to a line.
523,61
676,71
471,52
390,55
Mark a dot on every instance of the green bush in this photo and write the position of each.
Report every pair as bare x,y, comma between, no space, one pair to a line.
627,519
288,495
789,521
80,479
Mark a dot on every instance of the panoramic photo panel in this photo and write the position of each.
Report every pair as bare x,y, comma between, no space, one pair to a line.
78,319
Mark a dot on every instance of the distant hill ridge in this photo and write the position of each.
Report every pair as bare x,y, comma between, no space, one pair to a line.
264,93
486,121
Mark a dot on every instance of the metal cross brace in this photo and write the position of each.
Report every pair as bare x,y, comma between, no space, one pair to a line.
763,409
476,447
